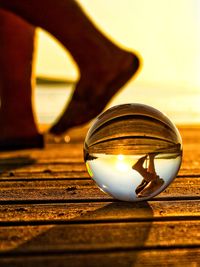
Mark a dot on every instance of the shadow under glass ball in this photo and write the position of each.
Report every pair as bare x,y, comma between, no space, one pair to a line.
133,152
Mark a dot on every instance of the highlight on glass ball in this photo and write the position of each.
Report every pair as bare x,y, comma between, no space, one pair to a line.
133,152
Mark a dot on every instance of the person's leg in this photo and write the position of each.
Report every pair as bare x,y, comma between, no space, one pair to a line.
138,166
155,181
151,166
104,67
18,129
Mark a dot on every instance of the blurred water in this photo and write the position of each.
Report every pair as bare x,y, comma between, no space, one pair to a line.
181,106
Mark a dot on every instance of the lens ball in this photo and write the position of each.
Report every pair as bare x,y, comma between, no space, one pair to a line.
133,152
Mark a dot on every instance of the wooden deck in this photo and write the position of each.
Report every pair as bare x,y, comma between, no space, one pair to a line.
52,213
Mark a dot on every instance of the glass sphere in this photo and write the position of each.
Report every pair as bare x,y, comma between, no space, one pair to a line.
133,152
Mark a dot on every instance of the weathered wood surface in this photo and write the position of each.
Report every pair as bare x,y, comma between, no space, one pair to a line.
52,214
156,257
68,190
99,236
98,212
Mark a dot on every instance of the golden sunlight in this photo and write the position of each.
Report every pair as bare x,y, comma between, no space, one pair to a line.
165,33
121,165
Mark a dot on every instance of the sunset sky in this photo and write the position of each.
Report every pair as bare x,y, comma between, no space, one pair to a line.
166,33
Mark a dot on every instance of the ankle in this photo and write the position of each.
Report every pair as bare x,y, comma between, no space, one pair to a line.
105,71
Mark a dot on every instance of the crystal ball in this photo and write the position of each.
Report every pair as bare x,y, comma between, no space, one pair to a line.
133,152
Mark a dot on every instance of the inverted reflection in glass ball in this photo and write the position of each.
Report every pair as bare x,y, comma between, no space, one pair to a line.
133,152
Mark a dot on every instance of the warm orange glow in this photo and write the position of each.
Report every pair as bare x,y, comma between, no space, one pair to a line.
167,35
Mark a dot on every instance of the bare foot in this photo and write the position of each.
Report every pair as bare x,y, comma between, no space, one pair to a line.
139,164
141,186
151,187
95,89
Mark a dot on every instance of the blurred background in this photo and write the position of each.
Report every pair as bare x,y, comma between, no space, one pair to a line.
167,36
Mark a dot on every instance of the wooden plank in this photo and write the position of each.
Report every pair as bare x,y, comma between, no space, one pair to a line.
189,133
192,172
168,258
64,153
45,175
23,166
48,174
69,157
99,236
64,190
100,211
20,161
108,233
79,167
191,140
30,164
70,172
14,166
50,152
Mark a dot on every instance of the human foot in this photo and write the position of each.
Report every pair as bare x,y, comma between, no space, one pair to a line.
141,186
139,164
89,47
93,92
151,187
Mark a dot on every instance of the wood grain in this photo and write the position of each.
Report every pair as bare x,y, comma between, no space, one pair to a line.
151,258
99,236
64,190
98,211
53,214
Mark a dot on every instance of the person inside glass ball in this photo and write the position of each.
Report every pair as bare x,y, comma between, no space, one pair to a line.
151,181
